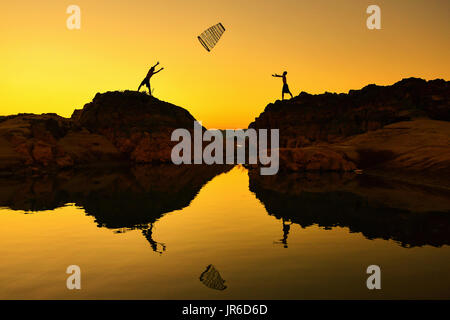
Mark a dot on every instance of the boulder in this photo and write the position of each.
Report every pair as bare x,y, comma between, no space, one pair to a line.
138,125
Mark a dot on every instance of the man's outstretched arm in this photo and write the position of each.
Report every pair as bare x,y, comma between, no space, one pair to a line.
277,75
158,70
156,64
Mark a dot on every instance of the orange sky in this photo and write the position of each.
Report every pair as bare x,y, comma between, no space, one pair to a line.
323,44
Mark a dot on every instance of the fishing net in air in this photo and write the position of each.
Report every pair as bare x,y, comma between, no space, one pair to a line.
211,36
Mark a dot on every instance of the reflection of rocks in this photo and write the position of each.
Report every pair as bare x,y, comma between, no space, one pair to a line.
411,215
146,193
286,229
212,279
156,246
127,198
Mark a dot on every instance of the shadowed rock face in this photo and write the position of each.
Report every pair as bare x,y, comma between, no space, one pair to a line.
139,125
416,151
127,198
403,128
116,127
412,216
329,117
31,142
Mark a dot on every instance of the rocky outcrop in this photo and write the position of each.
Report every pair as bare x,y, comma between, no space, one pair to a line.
139,125
31,142
329,117
417,151
116,127
400,128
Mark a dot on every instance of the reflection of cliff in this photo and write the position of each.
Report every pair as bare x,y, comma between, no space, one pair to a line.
128,198
375,208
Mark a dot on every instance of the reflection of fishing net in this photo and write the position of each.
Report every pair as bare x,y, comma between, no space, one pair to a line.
211,36
212,279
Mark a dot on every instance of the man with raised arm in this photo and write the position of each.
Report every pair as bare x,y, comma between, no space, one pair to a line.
146,80
285,85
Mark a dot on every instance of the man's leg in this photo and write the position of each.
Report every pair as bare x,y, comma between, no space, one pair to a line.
142,83
148,86
290,94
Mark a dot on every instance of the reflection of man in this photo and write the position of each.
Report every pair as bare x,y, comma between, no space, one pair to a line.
148,235
286,229
146,80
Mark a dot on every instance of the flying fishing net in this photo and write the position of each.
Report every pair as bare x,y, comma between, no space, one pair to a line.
212,279
211,36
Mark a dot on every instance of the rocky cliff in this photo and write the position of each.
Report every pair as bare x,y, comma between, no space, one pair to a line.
140,126
31,142
116,127
307,119
400,128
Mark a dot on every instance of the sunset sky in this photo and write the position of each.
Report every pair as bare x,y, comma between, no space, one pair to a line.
323,44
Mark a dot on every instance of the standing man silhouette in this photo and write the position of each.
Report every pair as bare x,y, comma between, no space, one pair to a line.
146,80
285,85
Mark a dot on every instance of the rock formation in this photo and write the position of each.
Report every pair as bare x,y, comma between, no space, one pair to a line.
32,142
116,127
307,119
403,127
140,126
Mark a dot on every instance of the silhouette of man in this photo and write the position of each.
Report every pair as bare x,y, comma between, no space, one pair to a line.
146,80
285,85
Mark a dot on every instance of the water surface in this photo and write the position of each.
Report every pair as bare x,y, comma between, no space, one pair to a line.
165,233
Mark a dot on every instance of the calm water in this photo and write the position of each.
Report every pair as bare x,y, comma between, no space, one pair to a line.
152,233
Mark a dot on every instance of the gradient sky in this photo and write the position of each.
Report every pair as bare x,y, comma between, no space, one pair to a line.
323,44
